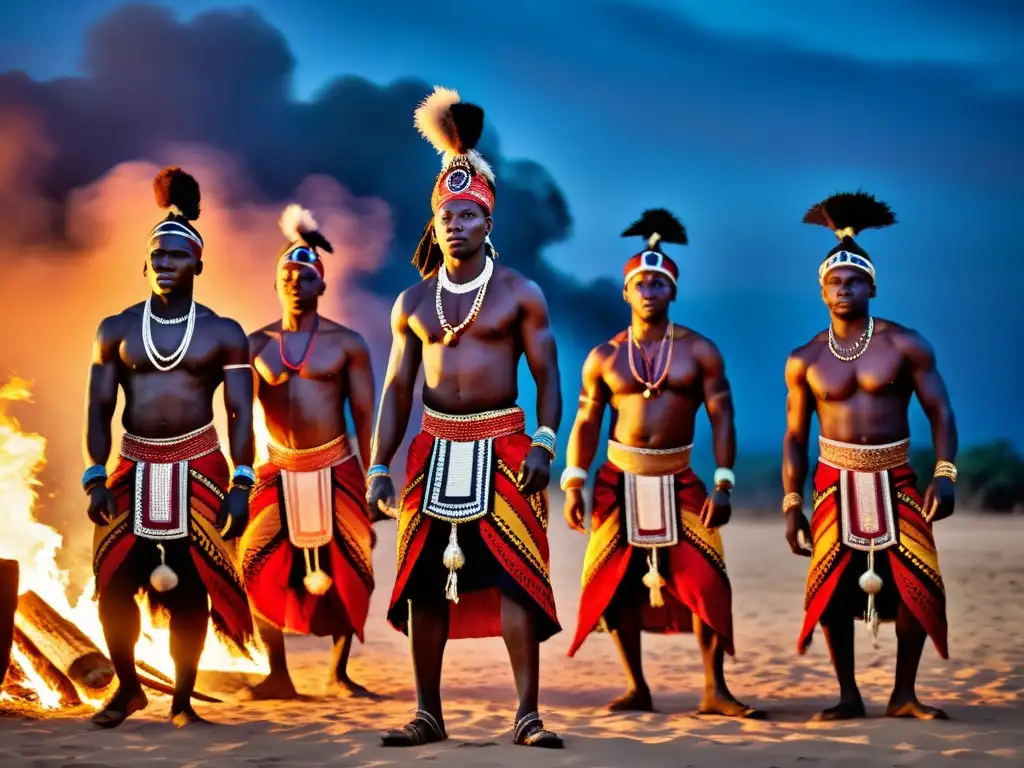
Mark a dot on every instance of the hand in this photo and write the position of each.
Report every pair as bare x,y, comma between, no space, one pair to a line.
717,509
797,523
234,513
535,471
102,507
380,497
939,500
575,509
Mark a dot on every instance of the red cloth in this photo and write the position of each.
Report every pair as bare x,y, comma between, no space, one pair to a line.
273,567
913,562
208,479
694,569
514,534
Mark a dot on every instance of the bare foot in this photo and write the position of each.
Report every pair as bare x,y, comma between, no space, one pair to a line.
726,705
187,716
633,701
913,708
121,706
346,686
271,687
846,709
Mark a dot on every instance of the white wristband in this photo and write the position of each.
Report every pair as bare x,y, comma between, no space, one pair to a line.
572,473
725,475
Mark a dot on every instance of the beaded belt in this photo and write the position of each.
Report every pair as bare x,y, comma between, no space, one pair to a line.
863,458
474,426
649,461
310,459
168,450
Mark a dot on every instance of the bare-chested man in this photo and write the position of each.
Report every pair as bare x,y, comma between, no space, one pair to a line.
164,514
472,543
655,559
873,551
306,555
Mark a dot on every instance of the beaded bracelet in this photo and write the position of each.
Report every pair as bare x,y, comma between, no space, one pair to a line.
572,478
792,500
725,476
92,474
378,470
545,438
245,474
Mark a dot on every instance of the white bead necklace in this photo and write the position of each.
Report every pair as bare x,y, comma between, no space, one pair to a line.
856,349
446,282
451,335
159,361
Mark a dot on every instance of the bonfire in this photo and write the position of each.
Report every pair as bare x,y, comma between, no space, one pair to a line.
57,654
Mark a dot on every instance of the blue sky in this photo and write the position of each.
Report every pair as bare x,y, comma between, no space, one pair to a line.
737,116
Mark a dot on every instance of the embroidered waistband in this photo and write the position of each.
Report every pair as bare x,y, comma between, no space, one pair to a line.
167,450
649,461
474,426
863,458
310,459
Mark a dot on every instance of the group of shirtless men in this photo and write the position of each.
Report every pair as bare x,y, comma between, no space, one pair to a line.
472,546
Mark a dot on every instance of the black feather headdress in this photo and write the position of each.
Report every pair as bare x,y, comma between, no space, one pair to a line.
177,192
848,214
453,127
657,225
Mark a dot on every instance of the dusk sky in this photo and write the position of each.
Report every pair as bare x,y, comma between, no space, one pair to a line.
737,116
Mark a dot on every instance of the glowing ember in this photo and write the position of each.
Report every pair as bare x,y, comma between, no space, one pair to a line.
35,547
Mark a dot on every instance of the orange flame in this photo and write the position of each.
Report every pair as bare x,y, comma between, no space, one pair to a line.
35,546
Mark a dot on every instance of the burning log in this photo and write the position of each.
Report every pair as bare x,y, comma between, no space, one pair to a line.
60,653
48,672
9,573
63,644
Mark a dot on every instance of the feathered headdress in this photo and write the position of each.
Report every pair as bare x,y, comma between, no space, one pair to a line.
655,226
453,127
848,214
178,193
304,238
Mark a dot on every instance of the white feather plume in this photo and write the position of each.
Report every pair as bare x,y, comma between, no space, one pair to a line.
433,119
434,122
296,221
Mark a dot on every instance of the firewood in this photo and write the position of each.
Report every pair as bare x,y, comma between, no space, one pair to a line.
168,688
52,675
63,644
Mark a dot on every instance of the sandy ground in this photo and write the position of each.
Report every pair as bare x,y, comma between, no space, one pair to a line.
981,687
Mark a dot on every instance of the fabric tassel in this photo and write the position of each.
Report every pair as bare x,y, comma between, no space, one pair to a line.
453,560
653,580
163,578
871,583
316,581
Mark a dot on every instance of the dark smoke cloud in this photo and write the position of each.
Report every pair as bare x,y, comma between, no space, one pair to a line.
224,80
